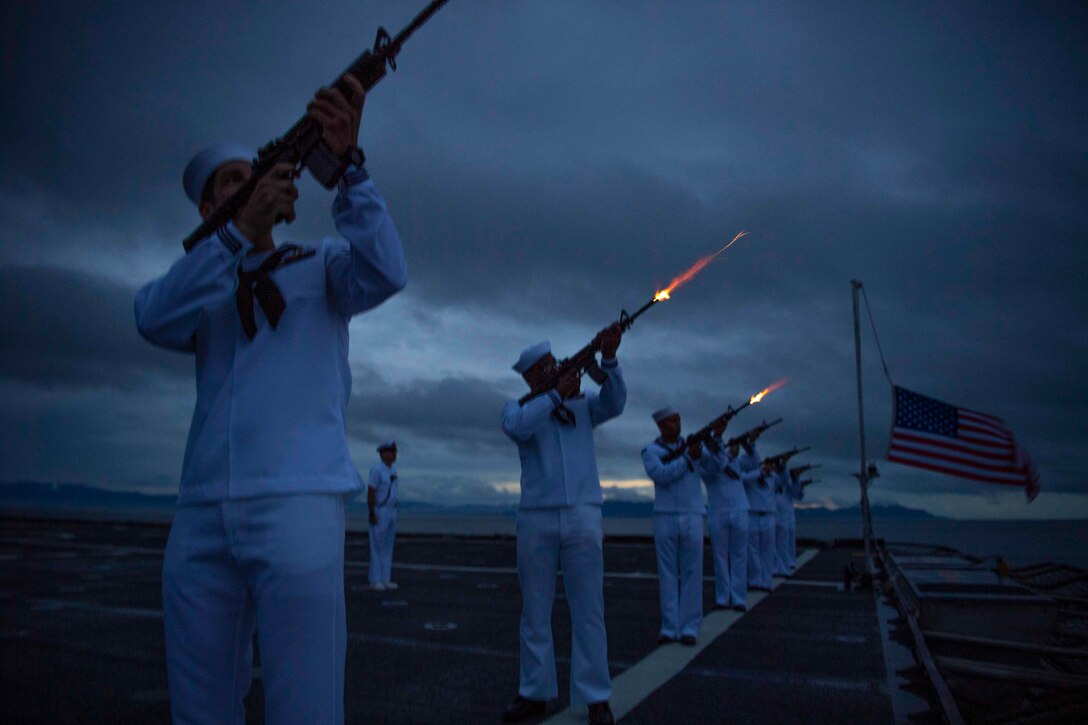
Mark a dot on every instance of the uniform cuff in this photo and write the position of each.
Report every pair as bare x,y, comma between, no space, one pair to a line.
609,362
354,175
555,398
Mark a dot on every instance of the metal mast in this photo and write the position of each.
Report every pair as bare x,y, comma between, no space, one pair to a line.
864,470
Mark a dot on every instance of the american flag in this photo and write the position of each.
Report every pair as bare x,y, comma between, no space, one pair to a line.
936,436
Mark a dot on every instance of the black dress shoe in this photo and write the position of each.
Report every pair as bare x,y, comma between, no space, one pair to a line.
522,708
664,639
601,714
688,640
720,606
739,608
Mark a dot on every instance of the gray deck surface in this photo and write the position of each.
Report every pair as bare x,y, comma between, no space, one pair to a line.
81,635
809,653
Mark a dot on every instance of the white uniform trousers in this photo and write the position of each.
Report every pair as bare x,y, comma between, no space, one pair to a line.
274,565
792,546
382,535
761,549
729,545
569,537
678,539
781,546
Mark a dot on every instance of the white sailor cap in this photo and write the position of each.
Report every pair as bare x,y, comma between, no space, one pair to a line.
531,354
666,412
389,443
204,164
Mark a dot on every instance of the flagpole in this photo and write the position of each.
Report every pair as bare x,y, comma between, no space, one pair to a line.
862,474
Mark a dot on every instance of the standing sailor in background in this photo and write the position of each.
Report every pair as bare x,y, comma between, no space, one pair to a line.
257,541
559,526
797,493
727,520
381,500
761,516
678,527
784,519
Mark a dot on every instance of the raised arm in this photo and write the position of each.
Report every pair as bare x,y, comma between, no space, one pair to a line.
367,266
168,309
711,464
664,474
613,396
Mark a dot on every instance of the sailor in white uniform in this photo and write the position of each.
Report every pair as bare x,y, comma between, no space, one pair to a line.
727,521
678,527
785,521
381,500
798,495
761,518
559,527
257,541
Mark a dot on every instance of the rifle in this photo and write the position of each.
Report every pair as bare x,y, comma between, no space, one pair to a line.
585,360
302,144
782,458
742,439
704,434
797,471
808,482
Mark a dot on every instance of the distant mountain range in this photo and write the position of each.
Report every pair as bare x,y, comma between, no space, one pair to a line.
31,494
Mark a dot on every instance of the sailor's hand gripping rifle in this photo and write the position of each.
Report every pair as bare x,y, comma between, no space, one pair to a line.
302,145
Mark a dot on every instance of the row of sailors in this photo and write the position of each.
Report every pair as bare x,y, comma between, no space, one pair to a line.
750,520
559,526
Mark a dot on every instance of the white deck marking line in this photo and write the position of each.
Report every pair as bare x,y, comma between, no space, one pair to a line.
638,682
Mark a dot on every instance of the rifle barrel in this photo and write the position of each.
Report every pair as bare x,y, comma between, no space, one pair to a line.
627,320
418,20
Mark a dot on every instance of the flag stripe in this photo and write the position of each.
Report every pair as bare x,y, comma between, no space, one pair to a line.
1006,462
935,455
954,472
984,431
904,439
969,444
966,424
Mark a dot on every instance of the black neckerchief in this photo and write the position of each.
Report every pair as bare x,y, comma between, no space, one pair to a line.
258,283
565,415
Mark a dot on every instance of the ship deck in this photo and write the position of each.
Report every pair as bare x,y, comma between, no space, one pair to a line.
81,634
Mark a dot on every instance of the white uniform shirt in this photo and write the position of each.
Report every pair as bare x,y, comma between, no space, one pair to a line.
723,481
559,462
760,488
269,415
676,483
783,494
383,479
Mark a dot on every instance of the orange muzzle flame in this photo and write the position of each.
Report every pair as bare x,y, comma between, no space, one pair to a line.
774,386
693,270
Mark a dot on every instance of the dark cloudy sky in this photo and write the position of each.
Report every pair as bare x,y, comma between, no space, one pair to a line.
548,163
